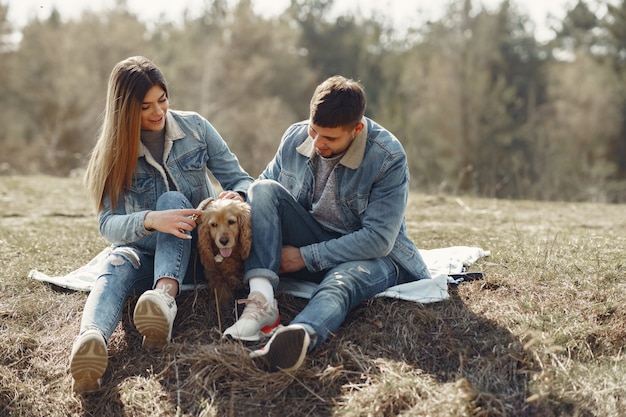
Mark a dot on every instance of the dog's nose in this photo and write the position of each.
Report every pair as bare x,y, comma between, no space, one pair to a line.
224,240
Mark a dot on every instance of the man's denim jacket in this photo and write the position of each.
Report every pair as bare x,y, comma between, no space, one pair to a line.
192,146
372,192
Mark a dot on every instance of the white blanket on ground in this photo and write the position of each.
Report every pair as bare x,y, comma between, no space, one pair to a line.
440,262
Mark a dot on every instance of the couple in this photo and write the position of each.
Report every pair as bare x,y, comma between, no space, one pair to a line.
328,208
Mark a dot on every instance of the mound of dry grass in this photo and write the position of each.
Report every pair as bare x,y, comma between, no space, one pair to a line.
542,334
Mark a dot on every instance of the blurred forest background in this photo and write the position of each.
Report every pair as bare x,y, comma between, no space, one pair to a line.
482,107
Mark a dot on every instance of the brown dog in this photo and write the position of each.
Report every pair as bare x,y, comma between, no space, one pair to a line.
224,240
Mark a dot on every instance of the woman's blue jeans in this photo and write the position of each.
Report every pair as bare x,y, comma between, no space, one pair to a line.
279,220
130,270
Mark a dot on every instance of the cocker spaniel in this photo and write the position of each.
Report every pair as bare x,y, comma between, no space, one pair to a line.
224,240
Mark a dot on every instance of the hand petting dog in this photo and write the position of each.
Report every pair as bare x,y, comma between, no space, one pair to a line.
174,221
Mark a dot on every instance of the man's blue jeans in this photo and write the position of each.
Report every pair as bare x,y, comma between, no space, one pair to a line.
279,220
132,270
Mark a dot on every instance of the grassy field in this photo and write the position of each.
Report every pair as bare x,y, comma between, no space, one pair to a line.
542,334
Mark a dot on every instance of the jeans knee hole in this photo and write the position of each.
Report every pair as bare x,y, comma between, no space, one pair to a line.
117,261
119,255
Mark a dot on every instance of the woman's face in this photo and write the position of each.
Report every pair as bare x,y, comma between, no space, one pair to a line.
153,109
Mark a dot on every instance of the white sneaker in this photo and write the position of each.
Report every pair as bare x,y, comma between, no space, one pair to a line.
259,319
154,317
285,351
88,361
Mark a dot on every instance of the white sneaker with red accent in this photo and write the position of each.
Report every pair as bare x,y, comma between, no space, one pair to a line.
258,320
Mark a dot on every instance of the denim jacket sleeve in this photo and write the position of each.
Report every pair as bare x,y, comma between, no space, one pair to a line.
381,217
274,167
121,228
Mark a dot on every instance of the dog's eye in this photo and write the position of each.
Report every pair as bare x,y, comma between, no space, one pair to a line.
231,222
213,224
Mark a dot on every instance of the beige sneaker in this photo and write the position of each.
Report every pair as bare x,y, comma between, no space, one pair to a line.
258,320
285,351
88,361
154,317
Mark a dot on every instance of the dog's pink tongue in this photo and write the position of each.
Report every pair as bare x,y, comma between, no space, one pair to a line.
226,252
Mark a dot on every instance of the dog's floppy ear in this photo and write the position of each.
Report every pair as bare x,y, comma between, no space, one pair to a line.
245,230
204,203
205,245
203,206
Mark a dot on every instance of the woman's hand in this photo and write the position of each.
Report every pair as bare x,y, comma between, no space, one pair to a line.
175,222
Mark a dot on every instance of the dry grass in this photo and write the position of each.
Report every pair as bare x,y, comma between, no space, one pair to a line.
542,335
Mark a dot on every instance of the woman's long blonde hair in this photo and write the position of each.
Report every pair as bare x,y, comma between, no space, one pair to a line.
114,157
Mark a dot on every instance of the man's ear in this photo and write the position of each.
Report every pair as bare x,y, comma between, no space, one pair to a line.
357,129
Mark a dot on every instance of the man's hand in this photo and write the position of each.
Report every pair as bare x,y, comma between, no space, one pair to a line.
230,195
290,260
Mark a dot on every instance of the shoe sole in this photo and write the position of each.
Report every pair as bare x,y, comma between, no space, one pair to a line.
152,323
87,366
286,351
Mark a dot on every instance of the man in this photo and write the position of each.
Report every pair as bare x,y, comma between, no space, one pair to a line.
328,208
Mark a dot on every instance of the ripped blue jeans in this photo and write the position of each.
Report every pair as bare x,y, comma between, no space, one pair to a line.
130,270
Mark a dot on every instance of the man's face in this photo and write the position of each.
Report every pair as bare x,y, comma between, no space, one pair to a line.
331,141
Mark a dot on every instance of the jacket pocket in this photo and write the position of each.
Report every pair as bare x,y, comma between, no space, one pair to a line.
353,207
141,194
292,183
192,165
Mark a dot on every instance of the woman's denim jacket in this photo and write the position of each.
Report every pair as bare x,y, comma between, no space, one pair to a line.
192,146
372,192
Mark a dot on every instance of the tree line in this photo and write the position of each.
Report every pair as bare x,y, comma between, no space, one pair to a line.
481,106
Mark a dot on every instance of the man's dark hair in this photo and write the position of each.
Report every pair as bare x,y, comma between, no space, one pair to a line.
338,102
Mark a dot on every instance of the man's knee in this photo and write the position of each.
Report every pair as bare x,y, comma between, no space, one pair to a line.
263,186
265,190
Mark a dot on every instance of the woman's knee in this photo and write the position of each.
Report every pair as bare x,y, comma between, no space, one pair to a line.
125,268
172,200
123,255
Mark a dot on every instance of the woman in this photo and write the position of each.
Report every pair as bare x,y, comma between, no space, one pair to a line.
146,174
